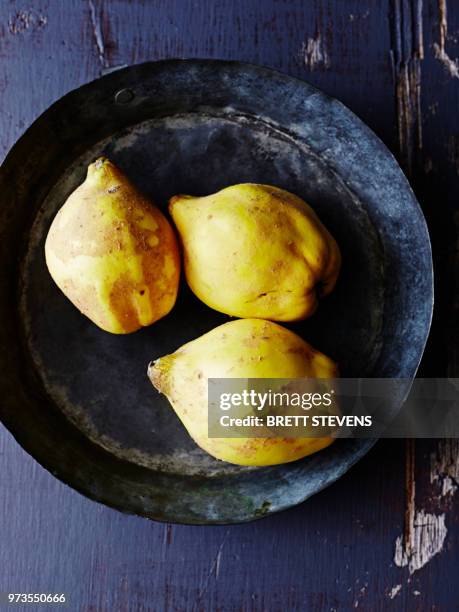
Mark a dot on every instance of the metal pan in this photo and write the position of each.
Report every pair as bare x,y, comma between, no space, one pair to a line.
77,398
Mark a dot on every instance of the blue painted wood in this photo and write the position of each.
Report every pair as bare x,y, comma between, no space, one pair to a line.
336,552
327,552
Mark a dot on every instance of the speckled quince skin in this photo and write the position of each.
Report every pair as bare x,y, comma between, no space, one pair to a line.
113,253
245,348
256,251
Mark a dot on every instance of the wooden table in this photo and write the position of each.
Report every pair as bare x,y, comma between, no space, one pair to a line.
386,536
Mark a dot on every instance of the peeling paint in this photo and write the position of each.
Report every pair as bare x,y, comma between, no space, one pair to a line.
23,20
395,590
426,539
98,36
353,16
361,593
314,53
450,65
444,467
425,532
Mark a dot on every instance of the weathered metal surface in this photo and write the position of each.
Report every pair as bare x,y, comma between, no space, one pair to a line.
196,126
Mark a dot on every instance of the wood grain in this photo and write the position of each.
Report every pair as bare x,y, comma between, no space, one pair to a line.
393,63
407,53
421,67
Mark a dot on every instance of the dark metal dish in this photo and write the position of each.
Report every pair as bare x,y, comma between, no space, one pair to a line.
77,398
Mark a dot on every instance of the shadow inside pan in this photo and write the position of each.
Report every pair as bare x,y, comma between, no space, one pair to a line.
99,380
